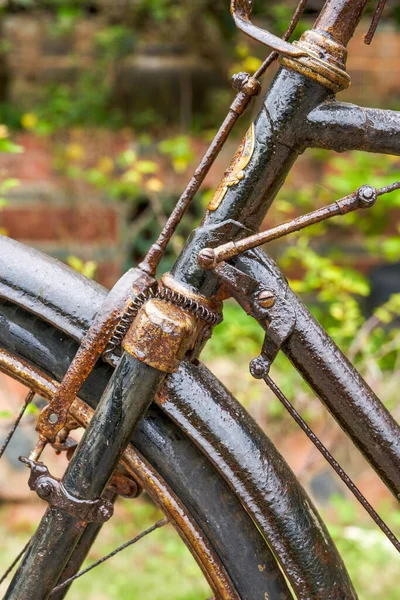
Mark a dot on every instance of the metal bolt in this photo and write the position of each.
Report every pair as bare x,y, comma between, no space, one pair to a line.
44,489
366,195
266,299
105,512
206,258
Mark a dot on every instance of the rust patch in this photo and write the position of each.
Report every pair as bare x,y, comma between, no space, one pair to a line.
235,171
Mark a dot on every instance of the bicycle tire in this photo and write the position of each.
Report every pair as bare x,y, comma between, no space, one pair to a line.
46,329
228,528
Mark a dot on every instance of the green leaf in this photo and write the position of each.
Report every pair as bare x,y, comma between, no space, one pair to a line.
9,147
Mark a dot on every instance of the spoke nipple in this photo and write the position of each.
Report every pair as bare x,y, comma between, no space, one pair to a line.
206,258
366,196
258,368
266,299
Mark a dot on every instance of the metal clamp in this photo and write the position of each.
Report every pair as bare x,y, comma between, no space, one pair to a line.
271,309
52,491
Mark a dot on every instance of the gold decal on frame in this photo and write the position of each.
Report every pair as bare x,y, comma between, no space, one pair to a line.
235,171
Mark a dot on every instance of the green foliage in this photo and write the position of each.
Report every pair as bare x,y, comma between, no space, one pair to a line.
86,268
371,560
179,150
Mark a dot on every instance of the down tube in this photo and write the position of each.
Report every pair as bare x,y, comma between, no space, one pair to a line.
333,378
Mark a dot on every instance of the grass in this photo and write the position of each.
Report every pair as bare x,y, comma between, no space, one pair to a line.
158,567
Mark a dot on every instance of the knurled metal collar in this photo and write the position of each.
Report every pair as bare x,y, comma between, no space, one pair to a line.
325,61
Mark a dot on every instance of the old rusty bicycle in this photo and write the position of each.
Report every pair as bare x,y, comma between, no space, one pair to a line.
125,364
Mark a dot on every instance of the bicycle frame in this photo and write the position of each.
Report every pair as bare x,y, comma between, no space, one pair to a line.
298,112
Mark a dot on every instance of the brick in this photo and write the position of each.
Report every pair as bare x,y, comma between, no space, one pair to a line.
88,224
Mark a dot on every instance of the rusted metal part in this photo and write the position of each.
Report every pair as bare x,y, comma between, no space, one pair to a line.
152,259
125,322
272,310
339,18
206,309
207,402
161,335
334,464
128,395
38,449
68,446
341,126
260,477
249,87
364,197
235,171
124,485
241,11
171,324
27,374
375,22
51,490
139,469
53,417
333,378
290,99
323,61
170,504
28,399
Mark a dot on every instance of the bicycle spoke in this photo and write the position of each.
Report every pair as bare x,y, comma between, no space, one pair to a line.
28,400
138,537
334,464
15,562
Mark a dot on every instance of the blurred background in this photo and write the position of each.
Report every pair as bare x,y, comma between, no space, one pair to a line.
106,108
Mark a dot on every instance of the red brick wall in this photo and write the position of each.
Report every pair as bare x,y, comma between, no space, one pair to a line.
64,217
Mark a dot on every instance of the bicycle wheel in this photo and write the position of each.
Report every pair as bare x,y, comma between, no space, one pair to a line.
243,566
235,547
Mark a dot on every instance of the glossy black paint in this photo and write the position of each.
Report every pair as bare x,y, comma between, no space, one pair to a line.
278,143
265,471
76,559
185,468
34,280
129,392
341,126
331,375
210,416
80,552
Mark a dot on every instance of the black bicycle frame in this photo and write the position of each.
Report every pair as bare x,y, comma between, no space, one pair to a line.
297,112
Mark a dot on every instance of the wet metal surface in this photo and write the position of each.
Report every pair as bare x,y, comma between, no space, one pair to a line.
341,127
248,87
241,11
243,456
267,487
130,391
53,417
52,491
140,469
329,373
364,197
329,458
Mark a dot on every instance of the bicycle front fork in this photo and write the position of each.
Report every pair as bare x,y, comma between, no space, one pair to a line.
160,335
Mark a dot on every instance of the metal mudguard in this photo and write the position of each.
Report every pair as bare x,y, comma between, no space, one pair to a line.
209,415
